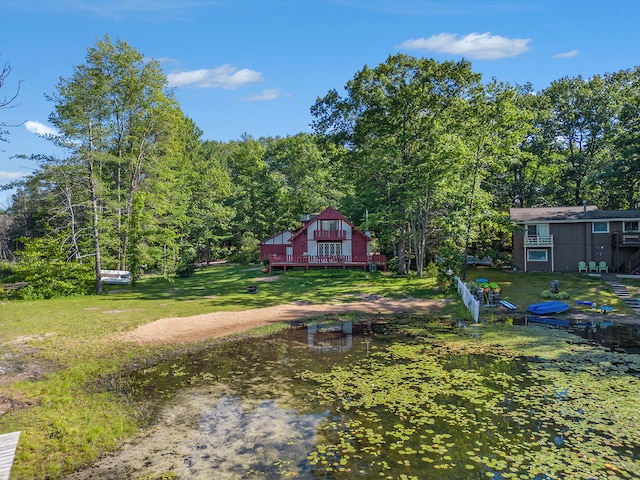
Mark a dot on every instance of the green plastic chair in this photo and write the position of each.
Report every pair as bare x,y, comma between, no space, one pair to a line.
602,267
593,266
582,267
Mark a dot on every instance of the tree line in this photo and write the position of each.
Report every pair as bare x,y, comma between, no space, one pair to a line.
422,153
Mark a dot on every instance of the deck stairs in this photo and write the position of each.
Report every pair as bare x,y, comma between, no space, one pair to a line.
633,263
622,292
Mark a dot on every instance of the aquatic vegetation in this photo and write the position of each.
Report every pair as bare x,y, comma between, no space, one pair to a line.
403,397
482,409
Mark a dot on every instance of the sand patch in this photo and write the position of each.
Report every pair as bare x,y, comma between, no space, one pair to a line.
219,324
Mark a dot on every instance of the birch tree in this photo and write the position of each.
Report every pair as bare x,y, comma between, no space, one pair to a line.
112,114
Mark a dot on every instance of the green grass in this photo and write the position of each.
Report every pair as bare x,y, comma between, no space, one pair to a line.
65,345
523,289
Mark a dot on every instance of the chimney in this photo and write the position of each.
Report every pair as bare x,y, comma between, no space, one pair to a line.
584,206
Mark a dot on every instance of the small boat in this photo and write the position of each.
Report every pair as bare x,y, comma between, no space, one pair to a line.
508,305
549,321
587,303
544,308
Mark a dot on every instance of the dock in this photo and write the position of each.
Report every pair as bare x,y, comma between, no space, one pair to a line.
8,444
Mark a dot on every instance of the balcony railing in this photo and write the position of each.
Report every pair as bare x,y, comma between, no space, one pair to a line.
538,241
626,239
328,259
329,234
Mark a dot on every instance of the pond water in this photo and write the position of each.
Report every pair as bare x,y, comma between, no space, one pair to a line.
623,337
342,400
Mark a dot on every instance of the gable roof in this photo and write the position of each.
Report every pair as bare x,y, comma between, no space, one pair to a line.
328,213
274,236
569,214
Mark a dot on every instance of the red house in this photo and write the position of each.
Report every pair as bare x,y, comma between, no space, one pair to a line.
325,240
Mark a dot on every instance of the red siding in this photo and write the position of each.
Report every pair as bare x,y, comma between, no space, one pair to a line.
358,243
300,244
267,250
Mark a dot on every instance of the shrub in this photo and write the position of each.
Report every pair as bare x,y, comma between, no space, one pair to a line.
49,274
554,296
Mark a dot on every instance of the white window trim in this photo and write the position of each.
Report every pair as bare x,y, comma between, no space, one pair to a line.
593,224
324,246
631,221
546,255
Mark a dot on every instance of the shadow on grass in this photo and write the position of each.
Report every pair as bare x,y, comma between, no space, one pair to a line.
226,287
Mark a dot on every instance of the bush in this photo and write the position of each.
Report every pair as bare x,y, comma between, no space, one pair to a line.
7,273
49,275
248,251
554,296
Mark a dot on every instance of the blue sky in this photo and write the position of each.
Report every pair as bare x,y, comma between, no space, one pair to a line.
257,66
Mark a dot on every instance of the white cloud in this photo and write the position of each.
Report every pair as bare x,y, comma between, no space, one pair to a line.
39,128
5,176
569,54
483,46
268,94
226,76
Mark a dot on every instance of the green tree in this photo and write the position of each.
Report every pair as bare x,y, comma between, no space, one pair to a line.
305,179
254,190
115,118
583,113
209,187
393,120
621,176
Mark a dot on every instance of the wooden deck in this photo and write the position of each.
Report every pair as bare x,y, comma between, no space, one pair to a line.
335,261
8,444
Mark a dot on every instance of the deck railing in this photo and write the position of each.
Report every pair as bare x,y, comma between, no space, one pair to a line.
329,234
626,239
328,259
538,240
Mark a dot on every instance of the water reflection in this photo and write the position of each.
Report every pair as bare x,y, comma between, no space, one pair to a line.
336,337
621,337
342,400
263,439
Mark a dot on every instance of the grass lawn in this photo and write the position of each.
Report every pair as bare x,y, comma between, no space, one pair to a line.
53,351
523,289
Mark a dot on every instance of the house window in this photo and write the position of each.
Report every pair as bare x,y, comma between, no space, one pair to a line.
600,227
329,225
329,249
538,230
631,227
537,255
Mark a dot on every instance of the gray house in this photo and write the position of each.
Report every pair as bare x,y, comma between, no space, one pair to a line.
558,239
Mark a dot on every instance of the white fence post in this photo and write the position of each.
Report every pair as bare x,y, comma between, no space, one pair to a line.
469,300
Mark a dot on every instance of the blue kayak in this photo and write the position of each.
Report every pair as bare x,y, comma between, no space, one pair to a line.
549,321
544,308
508,305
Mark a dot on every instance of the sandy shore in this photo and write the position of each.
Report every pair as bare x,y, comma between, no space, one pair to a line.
218,324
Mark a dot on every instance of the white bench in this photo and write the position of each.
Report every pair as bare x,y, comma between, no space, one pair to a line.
115,277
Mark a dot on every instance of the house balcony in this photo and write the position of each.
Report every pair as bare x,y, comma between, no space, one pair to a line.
626,240
329,261
329,234
538,241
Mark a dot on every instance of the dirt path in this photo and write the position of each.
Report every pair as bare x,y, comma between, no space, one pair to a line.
218,324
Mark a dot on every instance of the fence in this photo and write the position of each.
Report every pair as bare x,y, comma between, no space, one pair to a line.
469,300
